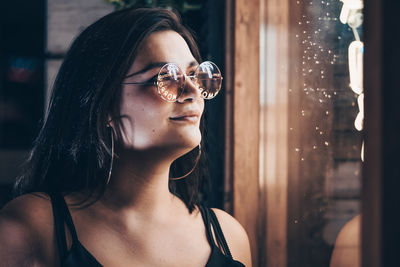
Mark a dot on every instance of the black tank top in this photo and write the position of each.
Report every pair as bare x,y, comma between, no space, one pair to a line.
78,255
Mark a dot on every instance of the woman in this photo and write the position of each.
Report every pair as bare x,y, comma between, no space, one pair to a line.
99,187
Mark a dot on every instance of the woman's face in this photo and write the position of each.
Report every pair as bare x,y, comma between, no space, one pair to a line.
149,121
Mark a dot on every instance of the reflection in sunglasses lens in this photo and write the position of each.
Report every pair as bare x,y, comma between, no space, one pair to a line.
171,81
209,79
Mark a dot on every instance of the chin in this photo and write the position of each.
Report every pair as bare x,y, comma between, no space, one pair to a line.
188,142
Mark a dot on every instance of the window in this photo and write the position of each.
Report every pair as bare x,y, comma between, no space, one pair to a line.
309,149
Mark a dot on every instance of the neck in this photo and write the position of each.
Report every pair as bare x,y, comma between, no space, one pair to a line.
139,182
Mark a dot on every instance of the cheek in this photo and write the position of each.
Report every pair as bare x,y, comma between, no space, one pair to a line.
201,105
144,121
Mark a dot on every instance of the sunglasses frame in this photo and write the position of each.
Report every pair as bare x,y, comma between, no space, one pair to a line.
191,77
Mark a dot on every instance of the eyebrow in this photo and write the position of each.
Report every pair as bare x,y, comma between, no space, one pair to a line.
156,65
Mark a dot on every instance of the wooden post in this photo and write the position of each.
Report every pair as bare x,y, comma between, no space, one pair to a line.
372,168
242,104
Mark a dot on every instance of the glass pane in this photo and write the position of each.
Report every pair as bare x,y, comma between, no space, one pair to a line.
323,135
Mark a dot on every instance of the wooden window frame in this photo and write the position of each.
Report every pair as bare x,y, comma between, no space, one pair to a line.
380,182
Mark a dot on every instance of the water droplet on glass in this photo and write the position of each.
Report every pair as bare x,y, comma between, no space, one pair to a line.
314,147
327,112
302,159
297,149
326,143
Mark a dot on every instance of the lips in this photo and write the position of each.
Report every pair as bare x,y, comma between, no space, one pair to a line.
186,117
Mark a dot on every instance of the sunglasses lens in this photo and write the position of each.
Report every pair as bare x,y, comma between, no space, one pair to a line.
170,82
208,79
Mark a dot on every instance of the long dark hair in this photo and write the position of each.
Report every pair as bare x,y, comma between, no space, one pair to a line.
73,149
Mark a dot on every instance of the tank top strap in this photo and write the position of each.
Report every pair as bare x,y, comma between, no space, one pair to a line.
62,216
210,220
206,219
219,234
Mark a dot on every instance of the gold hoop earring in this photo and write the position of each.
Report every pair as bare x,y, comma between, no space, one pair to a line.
112,155
194,167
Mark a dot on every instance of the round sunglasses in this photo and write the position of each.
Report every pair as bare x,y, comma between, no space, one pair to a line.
171,81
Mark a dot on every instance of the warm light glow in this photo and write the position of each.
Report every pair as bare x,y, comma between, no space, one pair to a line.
362,152
358,123
351,14
349,6
356,51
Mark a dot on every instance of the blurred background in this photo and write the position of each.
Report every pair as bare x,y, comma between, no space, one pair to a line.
286,133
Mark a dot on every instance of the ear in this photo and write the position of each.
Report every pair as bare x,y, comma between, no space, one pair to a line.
110,122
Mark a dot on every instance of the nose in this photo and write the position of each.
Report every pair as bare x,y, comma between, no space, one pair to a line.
191,92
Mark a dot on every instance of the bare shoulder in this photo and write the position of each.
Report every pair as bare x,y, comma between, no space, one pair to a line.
346,252
25,227
349,235
235,236
32,210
